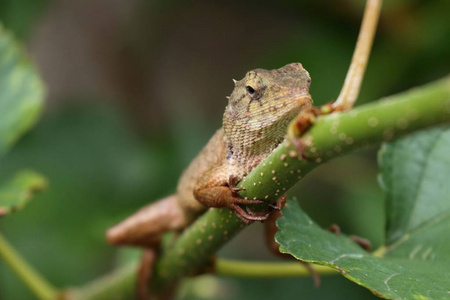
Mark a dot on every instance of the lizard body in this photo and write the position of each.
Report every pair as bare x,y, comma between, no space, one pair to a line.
254,122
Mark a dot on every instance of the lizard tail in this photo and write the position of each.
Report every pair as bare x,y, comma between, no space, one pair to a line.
146,227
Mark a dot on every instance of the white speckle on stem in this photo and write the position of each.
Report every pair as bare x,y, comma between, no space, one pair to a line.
333,130
373,122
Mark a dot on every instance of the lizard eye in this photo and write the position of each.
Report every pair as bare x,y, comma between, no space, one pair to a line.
250,90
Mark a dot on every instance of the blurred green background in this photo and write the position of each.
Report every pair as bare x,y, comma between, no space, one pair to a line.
136,88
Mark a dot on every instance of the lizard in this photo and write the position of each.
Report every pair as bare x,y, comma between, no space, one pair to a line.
255,120
258,113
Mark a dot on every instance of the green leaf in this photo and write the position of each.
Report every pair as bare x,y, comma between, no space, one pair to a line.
15,193
411,271
415,261
415,178
21,92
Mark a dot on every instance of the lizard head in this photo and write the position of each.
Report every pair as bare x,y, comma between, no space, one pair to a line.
263,103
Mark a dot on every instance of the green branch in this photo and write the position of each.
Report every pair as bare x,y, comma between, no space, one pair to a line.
38,285
332,135
235,268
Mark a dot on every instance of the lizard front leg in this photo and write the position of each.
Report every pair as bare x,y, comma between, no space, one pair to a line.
217,188
224,196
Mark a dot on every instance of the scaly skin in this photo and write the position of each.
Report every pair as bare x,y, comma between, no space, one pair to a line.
259,110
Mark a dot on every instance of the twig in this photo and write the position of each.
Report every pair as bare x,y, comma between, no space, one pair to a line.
352,84
30,277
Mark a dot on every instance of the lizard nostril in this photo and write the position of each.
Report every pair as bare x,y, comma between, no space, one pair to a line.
250,90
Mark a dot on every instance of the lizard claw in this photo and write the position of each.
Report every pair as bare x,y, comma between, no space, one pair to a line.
236,190
232,182
249,217
362,242
241,201
304,122
279,204
264,214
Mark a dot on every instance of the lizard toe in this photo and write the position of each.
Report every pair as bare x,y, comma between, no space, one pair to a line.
249,217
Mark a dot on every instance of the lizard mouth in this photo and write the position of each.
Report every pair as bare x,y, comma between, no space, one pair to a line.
303,98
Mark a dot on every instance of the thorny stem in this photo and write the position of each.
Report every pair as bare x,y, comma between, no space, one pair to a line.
38,285
352,84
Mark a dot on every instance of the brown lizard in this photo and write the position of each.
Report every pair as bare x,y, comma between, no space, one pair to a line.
258,113
259,110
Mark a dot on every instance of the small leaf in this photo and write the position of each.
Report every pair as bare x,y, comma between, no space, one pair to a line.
21,92
415,261
15,193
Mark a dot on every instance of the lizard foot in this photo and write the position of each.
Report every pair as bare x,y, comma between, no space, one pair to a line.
264,215
304,122
145,273
224,196
232,182
247,215
362,242
334,228
279,204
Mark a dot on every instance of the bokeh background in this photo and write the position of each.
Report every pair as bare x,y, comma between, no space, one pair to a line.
136,88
